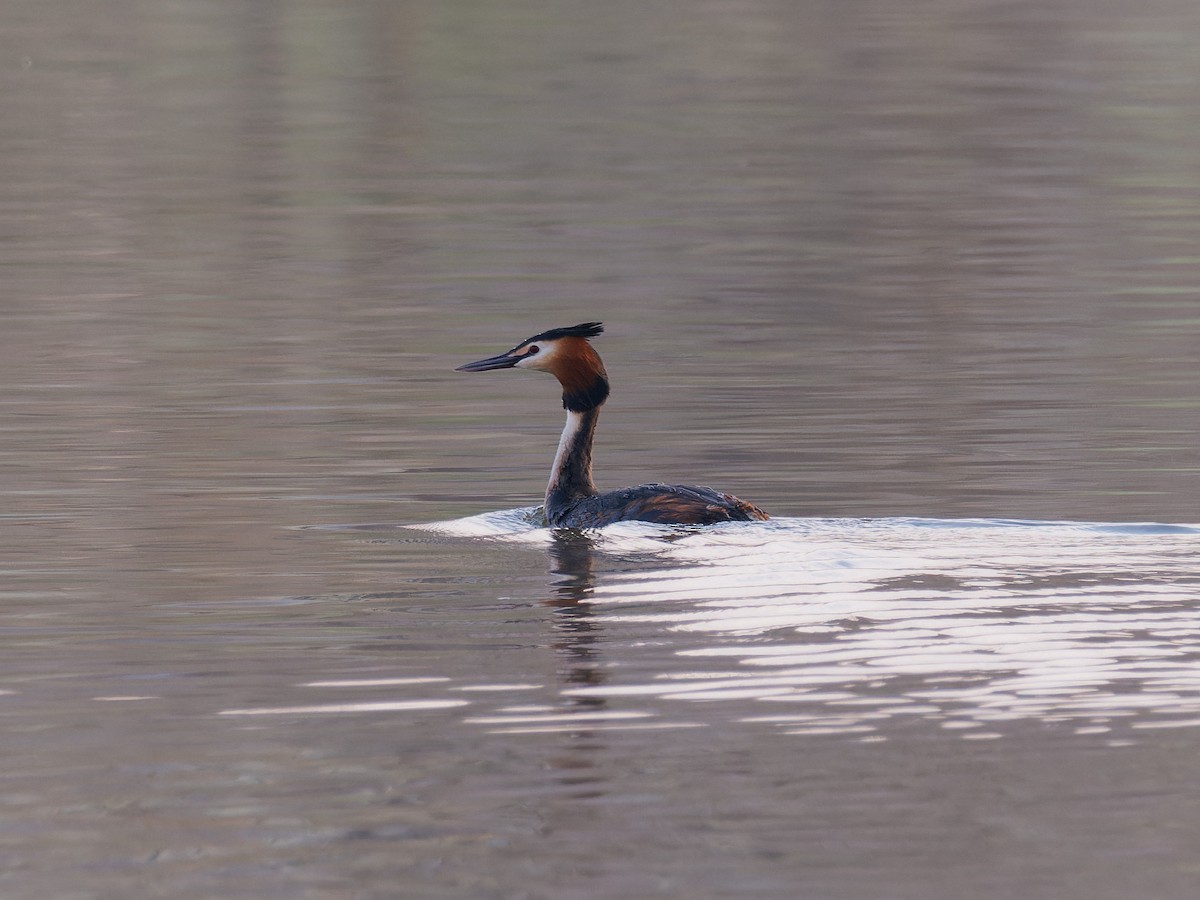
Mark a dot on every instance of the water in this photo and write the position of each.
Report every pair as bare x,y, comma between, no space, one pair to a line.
859,624
919,279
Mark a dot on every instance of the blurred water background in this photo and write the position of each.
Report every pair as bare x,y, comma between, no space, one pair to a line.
917,277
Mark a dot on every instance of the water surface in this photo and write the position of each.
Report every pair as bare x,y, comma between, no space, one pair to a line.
920,279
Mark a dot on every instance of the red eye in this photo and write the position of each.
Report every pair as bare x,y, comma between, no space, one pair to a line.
532,350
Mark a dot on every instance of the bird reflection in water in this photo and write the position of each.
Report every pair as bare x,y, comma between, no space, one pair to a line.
572,554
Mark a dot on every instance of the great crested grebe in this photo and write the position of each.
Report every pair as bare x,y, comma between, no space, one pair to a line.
572,500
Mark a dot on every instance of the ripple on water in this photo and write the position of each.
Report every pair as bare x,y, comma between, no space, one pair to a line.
859,623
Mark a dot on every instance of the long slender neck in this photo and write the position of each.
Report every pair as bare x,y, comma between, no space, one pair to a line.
571,475
580,371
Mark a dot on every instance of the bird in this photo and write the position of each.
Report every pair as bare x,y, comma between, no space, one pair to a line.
572,500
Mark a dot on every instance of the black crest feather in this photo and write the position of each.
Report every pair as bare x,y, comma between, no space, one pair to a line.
583,330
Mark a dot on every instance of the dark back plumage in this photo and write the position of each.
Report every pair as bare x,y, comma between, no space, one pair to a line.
668,504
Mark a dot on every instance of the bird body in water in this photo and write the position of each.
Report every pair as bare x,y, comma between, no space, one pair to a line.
572,500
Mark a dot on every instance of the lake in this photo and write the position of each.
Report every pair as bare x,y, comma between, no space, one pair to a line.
920,279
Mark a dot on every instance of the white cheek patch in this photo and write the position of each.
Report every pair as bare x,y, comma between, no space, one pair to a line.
539,360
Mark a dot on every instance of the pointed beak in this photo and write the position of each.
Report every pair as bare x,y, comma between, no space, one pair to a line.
503,361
